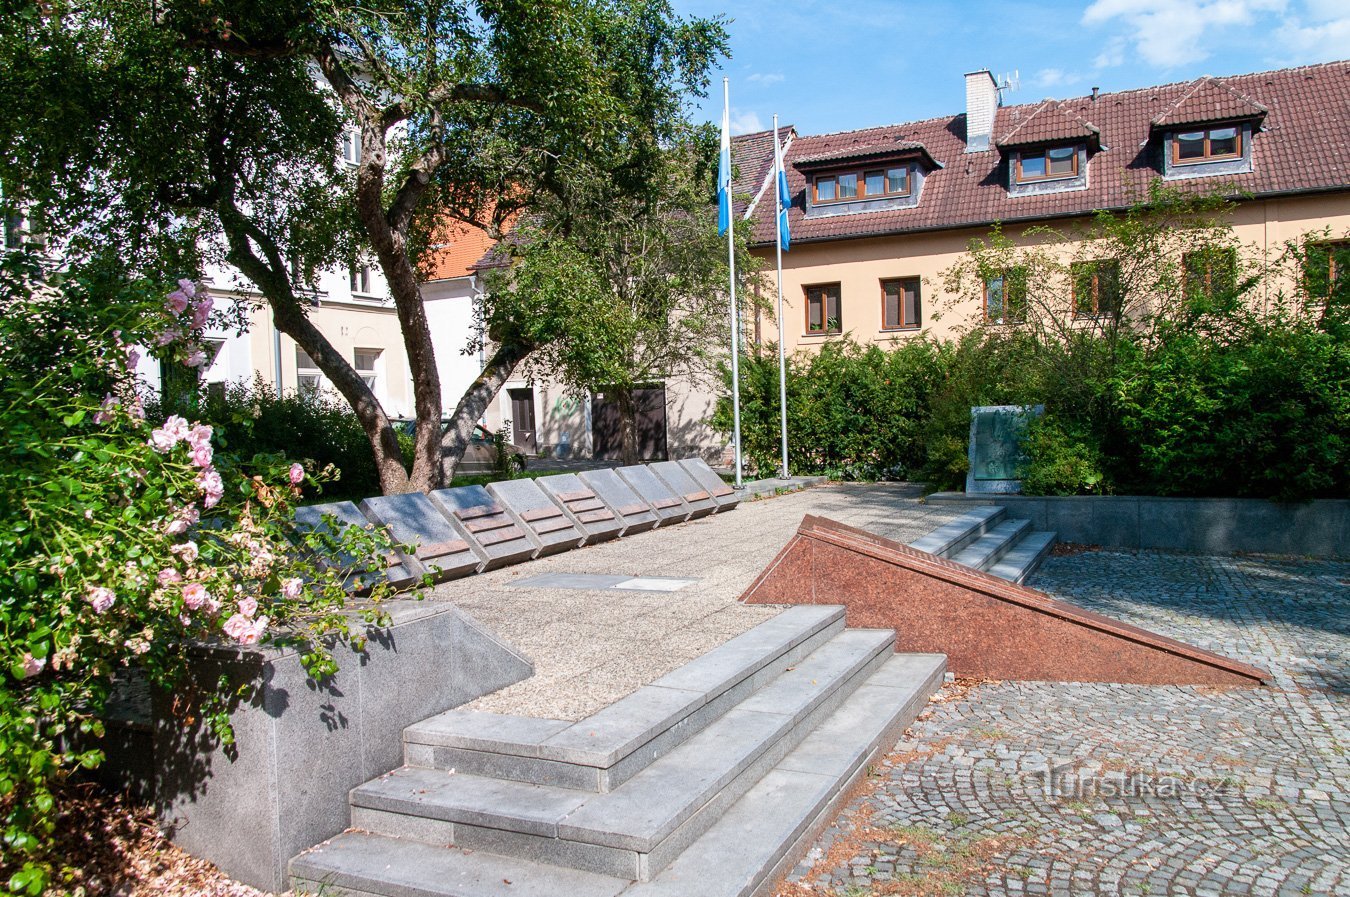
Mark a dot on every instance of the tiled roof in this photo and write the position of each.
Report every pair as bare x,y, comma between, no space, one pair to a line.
1209,100
751,163
1304,145
861,151
458,250
1046,123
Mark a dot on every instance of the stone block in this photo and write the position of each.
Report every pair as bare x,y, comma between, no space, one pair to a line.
344,514
497,535
699,499
300,746
722,493
591,515
428,541
634,514
663,500
532,509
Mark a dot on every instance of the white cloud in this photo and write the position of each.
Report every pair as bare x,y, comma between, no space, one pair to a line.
1170,33
1322,34
766,78
1051,78
746,122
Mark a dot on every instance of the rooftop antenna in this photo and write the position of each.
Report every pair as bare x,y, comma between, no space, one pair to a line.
1008,83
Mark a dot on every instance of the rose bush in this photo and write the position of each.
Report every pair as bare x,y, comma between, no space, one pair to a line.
123,542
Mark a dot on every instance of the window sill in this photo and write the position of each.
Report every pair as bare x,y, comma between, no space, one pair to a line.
823,335
912,329
1019,182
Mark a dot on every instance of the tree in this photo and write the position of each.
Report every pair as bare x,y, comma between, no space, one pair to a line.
184,131
645,279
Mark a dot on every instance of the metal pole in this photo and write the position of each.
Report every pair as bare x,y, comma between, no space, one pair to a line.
782,360
735,318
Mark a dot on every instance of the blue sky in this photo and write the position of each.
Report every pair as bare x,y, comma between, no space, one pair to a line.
859,63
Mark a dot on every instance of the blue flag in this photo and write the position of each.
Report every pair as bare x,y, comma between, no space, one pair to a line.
784,197
724,175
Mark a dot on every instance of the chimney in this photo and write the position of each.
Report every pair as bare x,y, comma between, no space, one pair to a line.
981,104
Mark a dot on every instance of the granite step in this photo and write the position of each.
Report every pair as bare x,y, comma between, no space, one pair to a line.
950,538
989,549
635,830
606,749
1022,559
738,849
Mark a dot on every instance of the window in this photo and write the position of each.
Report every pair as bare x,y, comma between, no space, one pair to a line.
366,361
1208,145
360,279
351,146
1005,297
900,304
1210,273
1047,164
1096,288
1326,272
872,183
308,377
13,230
822,309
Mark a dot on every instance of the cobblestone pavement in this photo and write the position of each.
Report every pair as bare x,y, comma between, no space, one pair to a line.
1068,789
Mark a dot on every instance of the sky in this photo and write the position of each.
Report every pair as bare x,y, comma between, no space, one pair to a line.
861,63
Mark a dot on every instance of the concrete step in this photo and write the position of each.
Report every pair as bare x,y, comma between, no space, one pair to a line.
606,749
635,830
743,844
1023,558
988,549
955,535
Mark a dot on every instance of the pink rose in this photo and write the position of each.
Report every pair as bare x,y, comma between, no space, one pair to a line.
291,588
201,311
213,488
195,595
104,413
201,454
195,359
248,606
168,575
237,626
188,287
133,357
166,336
100,598
187,550
177,526
32,665
177,301
297,474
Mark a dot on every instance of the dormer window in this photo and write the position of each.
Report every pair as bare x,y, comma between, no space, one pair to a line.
1207,145
1046,164
871,183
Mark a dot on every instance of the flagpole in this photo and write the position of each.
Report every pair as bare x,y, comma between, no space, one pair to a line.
782,359
735,311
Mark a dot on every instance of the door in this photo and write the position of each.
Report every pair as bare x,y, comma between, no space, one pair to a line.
650,415
523,432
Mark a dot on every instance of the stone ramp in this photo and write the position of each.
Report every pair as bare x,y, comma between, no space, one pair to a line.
987,626
754,742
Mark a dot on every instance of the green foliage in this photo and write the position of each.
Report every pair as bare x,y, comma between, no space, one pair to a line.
121,543
1061,461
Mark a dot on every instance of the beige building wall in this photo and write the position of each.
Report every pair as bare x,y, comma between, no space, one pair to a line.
859,267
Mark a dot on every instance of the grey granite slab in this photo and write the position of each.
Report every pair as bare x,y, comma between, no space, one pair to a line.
663,500
591,515
477,730
428,541
634,514
316,518
604,737
532,509
722,493
699,499
497,535
604,581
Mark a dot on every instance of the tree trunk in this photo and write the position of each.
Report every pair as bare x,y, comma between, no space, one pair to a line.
627,424
474,404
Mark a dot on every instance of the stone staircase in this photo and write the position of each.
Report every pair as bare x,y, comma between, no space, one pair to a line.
987,539
708,782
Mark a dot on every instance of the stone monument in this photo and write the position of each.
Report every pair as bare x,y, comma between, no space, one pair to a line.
996,455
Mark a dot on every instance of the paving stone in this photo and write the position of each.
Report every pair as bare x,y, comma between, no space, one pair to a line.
552,529
428,542
495,533
591,515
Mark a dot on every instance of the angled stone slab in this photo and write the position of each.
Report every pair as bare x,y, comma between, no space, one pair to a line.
721,492
550,526
591,515
429,543
634,514
499,538
316,518
663,500
699,499
987,627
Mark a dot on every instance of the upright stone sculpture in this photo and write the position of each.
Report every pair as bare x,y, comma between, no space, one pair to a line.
499,538
344,513
633,514
667,504
439,547
587,511
700,500
552,529
699,471
995,454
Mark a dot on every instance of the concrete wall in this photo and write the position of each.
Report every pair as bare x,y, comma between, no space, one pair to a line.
1202,525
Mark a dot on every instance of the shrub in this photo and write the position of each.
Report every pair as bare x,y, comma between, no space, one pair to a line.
1062,460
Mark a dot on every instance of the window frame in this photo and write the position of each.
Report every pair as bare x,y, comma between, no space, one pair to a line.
824,289
1044,153
900,308
1077,271
1015,273
370,375
359,280
1212,253
861,173
349,147
1208,157
307,372
1328,250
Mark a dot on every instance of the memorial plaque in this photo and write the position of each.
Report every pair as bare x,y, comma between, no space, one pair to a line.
551,528
720,490
487,524
698,498
432,543
344,514
591,515
995,454
634,514
667,504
